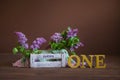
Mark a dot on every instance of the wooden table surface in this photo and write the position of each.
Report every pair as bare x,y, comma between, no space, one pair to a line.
7,72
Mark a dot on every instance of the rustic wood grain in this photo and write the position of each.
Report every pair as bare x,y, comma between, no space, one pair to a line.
7,72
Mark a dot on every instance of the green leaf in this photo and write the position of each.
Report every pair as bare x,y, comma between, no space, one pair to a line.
73,53
64,34
39,51
54,45
70,41
64,42
36,51
27,54
75,40
15,50
22,49
60,46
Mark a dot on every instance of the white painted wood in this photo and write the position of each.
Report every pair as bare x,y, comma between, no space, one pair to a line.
43,60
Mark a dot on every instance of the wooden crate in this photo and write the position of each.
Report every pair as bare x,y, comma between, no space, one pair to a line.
47,60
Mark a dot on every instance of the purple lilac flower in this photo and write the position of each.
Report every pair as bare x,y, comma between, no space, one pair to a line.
79,44
72,32
25,46
40,40
56,37
37,43
22,39
76,46
72,49
19,34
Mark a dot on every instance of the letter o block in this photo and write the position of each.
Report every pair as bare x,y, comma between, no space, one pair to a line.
77,63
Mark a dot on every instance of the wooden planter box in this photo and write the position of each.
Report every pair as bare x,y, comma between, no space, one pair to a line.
46,59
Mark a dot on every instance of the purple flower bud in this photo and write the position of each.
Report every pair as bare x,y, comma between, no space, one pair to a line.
19,34
25,46
22,39
34,42
37,43
56,37
40,40
72,32
32,47
76,46
81,44
71,49
36,46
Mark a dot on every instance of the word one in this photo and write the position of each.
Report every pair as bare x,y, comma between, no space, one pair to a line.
90,60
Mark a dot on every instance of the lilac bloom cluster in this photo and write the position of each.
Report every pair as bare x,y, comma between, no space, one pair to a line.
37,43
22,39
68,38
72,32
76,46
57,37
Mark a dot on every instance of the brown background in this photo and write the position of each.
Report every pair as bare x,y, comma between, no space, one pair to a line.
97,21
